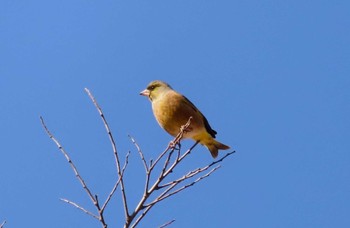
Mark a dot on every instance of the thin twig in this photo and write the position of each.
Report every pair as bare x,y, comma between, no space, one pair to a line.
191,174
167,224
165,194
140,152
2,224
167,161
115,152
80,208
81,180
93,198
147,169
173,143
117,183
197,171
159,158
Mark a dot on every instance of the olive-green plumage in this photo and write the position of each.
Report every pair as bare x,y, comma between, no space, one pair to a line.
172,110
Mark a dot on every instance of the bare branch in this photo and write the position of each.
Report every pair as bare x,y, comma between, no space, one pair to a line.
173,143
144,212
197,171
81,180
153,164
2,224
93,198
167,224
191,174
165,194
114,147
140,152
117,183
147,169
80,208
100,212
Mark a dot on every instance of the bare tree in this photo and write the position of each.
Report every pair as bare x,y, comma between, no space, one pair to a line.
154,191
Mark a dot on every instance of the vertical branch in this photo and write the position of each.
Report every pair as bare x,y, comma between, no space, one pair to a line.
115,152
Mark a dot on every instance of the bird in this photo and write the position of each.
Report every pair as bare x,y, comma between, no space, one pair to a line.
172,110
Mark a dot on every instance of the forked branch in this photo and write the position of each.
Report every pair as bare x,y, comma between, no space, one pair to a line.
93,198
115,152
171,161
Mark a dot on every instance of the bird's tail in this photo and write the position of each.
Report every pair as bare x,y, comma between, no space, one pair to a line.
214,147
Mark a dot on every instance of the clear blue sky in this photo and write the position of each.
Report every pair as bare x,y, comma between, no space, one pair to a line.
272,77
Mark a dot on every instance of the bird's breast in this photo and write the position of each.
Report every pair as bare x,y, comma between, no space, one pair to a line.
171,113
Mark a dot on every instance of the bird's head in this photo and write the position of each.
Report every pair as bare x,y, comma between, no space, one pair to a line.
155,89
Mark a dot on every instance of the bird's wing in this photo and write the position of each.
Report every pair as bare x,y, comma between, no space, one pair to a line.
205,121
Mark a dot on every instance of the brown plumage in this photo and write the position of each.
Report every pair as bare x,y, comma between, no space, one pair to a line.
172,110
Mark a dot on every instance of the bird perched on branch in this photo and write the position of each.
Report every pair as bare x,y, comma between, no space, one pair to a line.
172,110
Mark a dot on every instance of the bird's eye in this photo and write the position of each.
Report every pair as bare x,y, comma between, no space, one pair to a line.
151,87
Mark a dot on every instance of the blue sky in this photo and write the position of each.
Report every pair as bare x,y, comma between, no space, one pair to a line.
272,78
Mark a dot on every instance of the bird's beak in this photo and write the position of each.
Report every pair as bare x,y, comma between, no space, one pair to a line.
145,93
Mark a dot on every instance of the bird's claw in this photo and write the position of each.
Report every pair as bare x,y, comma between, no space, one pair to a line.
173,145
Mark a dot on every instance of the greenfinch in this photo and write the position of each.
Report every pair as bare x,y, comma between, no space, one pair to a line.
172,110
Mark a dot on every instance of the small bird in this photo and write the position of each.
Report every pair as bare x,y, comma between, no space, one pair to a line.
172,110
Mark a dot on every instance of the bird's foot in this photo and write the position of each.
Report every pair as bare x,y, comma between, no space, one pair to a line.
185,129
176,145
